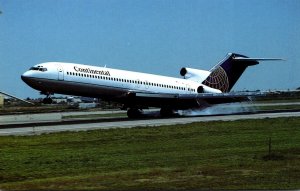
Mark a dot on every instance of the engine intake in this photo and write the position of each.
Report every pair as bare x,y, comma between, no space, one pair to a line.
194,74
183,71
200,89
206,89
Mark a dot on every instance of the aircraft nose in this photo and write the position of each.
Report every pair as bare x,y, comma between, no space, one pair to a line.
28,78
25,76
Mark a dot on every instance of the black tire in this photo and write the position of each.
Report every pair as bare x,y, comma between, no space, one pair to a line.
47,100
133,113
166,112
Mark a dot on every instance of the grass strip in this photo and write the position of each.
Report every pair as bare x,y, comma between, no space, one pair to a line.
246,154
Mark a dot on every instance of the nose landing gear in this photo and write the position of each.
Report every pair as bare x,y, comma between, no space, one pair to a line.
47,99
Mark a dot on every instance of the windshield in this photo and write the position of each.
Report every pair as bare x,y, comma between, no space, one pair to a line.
38,68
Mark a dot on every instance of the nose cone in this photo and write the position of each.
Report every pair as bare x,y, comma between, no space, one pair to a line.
28,78
25,76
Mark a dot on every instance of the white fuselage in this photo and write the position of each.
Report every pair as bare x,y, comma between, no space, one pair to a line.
102,82
136,91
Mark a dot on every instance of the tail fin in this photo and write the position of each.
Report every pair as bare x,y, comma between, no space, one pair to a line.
225,74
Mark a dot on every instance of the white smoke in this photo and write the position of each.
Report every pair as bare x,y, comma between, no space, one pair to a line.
220,109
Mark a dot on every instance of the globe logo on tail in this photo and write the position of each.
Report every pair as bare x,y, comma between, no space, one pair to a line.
218,79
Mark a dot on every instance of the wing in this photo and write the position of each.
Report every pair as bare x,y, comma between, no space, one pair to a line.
184,101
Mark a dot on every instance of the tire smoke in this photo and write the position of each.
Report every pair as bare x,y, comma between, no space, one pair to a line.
221,109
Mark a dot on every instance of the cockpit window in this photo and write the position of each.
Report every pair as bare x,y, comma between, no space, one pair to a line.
34,68
39,68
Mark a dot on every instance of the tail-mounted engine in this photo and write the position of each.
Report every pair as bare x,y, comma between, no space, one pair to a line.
198,76
205,89
194,74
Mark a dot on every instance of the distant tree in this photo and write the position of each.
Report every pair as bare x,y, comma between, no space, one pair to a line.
298,88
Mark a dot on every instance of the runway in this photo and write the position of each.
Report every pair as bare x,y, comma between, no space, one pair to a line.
57,117
47,117
40,128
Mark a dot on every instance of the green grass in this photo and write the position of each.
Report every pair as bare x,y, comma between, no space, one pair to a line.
278,107
210,155
274,100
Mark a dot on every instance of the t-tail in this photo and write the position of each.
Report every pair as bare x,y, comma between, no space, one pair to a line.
225,74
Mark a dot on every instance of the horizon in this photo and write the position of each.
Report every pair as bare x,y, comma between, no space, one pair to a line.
157,37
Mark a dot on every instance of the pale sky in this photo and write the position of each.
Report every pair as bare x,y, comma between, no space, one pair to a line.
151,36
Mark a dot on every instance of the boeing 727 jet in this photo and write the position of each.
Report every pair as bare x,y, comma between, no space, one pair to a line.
138,91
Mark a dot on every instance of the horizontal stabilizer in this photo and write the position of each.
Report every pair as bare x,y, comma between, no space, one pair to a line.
256,59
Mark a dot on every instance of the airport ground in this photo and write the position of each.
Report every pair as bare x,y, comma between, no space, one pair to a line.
241,154
244,154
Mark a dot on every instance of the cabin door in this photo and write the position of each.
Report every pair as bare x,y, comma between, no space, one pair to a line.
60,72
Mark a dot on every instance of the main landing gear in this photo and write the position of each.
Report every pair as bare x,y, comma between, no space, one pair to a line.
134,113
166,112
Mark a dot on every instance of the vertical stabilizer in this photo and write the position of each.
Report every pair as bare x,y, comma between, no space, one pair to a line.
225,74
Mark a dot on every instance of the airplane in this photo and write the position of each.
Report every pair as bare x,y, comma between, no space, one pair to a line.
138,91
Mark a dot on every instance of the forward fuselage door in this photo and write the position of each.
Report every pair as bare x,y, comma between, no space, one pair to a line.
60,72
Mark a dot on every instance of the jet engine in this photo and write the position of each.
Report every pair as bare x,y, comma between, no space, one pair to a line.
205,89
198,76
194,74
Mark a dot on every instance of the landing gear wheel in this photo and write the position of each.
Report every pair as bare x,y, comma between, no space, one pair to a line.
166,112
134,113
47,100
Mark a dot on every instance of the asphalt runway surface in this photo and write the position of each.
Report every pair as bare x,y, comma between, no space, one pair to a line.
37,128
58,117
